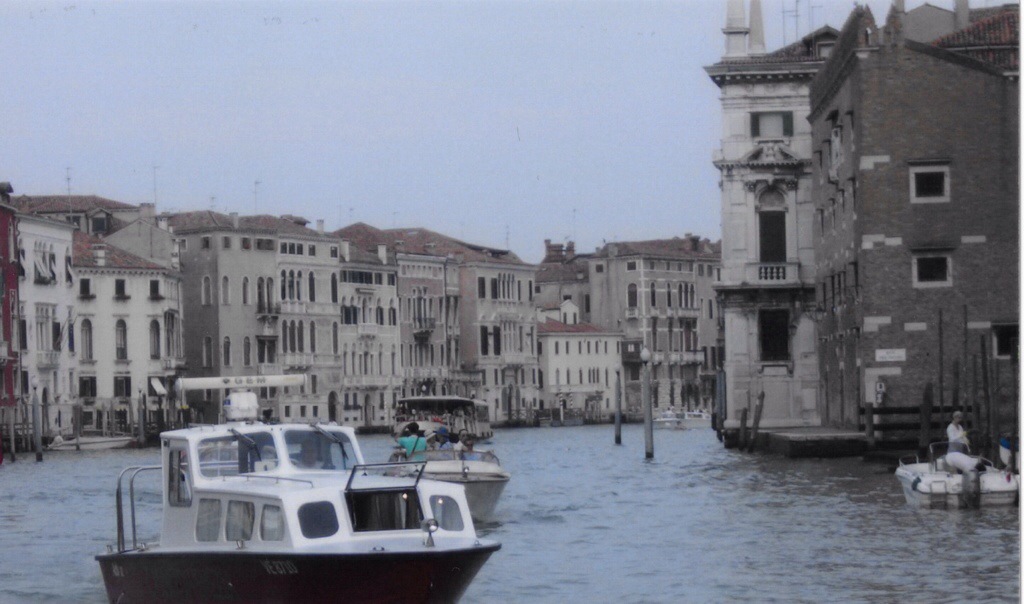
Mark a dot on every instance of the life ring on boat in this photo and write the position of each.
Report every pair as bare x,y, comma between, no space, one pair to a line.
913,485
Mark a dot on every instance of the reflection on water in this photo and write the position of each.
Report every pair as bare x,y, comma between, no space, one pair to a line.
585,519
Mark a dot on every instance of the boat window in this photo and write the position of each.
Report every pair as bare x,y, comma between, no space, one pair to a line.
447,513
272,524
208,520
384,510
237,454
317,451
318,520
178,492
241,516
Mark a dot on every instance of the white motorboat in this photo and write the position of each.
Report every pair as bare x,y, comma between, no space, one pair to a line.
257,512
668,420
956,480
90,443
479,472
696,419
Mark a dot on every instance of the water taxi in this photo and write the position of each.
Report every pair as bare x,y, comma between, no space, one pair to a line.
696,419
255,512
668,420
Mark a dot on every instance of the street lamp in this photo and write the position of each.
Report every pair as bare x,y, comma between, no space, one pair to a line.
645,396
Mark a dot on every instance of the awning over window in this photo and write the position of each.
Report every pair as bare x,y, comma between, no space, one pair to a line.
158,386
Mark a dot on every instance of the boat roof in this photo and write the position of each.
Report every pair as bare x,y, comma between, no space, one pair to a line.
438,401
208,430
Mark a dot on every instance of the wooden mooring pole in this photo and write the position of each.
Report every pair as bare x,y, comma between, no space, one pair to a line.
743,428
618,408
986,394
926,420
757,421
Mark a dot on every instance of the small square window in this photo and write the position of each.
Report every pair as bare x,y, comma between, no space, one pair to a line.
929,184
631,265
1007,340
932,271
227,243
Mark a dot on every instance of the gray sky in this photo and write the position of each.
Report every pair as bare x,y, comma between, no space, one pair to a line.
501,123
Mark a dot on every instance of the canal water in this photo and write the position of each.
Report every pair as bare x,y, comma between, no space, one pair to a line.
587,520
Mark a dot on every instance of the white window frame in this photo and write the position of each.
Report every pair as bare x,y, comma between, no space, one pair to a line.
932,284
914,170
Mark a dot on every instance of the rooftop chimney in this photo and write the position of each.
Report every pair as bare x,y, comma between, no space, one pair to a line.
320,225
345,250
963,14
382,252
234,219
99,253
147,211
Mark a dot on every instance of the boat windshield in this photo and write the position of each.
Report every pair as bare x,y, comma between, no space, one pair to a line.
237,454
319,450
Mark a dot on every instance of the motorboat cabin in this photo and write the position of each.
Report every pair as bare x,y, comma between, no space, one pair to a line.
457,414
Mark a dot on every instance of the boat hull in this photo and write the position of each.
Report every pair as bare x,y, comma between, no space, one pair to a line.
93,443
482,493
668,424
435,575
944,490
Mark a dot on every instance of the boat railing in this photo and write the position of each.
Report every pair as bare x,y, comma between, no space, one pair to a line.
131,472
393,469
446,455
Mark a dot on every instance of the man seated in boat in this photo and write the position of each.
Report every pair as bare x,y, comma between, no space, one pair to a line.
442,439
956,435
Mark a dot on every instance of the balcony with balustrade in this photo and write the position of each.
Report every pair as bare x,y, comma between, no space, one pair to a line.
47,359
784,274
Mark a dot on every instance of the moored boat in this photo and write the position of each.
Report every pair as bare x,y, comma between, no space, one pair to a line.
956,480
668,419
257,512
696,419
90,443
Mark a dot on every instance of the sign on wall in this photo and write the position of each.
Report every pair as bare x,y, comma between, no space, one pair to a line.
890,355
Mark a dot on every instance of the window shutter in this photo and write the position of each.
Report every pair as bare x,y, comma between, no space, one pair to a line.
787,123
755,125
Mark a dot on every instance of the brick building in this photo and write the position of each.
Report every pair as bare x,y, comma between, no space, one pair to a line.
916,193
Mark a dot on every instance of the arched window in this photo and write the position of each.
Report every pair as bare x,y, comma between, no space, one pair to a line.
654,296
284,336
291,285
154,339
298,285
207,351
261,298
205,294
86,340
312,336
312,287
334,288
284,285
334,338
300,329
630,297
121,340
227,352
245,290
246,352
225,291
291,337
380,315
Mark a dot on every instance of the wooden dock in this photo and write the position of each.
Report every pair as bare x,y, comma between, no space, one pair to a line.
802,442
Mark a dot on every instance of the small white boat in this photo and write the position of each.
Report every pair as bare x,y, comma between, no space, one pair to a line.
668,420
256,512
696,419
478,471
956,480
90,443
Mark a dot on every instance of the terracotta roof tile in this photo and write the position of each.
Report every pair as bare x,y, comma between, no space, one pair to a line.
208,220
677,247
994,39
43,204
82,255
423,241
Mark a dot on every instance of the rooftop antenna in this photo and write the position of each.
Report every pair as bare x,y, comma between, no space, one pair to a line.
68,179
213,203
506,236
795,14
350,211
810,14
256,197
573,230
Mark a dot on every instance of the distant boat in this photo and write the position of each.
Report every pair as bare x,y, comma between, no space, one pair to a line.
90,443
696,419
669,420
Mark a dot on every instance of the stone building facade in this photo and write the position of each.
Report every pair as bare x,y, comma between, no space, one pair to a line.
659,294
768,266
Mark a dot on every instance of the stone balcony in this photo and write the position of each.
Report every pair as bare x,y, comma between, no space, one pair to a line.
772,273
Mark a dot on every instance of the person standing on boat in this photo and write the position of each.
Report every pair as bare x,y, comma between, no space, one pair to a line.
956,435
